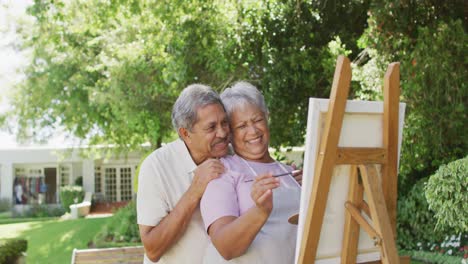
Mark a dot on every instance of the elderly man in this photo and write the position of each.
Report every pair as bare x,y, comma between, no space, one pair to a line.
173,179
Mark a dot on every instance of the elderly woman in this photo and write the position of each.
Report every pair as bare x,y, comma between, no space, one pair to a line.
246,210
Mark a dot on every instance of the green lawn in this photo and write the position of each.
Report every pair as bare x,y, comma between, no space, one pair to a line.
53,241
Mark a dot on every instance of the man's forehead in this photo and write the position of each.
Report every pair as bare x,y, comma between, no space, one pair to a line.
210,113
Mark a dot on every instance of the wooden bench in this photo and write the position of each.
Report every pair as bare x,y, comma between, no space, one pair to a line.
108,255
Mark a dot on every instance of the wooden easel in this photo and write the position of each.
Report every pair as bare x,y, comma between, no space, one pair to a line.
381,194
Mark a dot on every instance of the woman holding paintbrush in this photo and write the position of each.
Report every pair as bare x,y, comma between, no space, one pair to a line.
246,210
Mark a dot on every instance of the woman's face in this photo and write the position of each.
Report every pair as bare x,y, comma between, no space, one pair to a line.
250,134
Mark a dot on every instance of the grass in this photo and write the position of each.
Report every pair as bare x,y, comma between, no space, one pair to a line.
6,214
53,241
25,219
6,218
423,257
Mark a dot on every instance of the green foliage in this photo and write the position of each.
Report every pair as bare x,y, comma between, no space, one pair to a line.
369,75
415,222
436,93
5,205
70,195
43,210
279,156
109,73
446,194
79,181
37,211
430,257
290,50
429,39
417,232
390,20
12,249
122,228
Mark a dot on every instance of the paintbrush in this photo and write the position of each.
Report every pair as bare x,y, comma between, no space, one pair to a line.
292,173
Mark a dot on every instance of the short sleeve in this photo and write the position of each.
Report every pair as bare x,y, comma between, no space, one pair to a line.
151,205
219,199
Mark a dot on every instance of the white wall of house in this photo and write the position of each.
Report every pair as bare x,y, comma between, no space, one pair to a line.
63,160
88,175
31,157
6,190
95,172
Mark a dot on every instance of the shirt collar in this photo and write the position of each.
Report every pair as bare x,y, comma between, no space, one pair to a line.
185,157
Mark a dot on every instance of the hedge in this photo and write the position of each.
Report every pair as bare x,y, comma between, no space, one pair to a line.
68,194
12,249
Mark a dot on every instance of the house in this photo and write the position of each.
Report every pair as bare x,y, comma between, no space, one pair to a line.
34,175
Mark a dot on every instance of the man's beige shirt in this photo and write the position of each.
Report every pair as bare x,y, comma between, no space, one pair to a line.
164,177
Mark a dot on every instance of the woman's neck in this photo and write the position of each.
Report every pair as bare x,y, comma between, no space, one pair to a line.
264,159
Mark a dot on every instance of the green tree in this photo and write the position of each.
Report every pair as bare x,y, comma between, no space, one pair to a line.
429,39
290,48
110,72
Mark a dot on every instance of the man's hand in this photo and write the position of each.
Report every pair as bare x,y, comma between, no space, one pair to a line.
210,169
160,238
262,193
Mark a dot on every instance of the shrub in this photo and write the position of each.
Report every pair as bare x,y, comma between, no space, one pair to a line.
79,181
430,42
68,194
446,194
122,228
434,88
415,222
44,211
5,205
12,249
38,211
430,257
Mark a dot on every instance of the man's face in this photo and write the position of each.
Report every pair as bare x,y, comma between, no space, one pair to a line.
209,137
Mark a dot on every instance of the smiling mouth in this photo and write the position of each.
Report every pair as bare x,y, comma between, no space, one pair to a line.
255,140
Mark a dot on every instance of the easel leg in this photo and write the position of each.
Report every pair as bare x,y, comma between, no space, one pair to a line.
325,161
390,140
351,229
378,210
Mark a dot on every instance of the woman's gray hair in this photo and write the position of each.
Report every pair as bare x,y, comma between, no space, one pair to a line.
240,94
193,97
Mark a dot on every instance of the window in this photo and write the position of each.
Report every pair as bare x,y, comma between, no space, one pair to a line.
118,183
64,174
125,184
27,185
97,179
110,175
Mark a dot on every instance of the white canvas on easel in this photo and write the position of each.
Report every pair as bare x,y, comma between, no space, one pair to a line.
362,127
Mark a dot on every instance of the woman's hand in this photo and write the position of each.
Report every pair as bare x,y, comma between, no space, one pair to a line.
298,175
262,191
231,235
